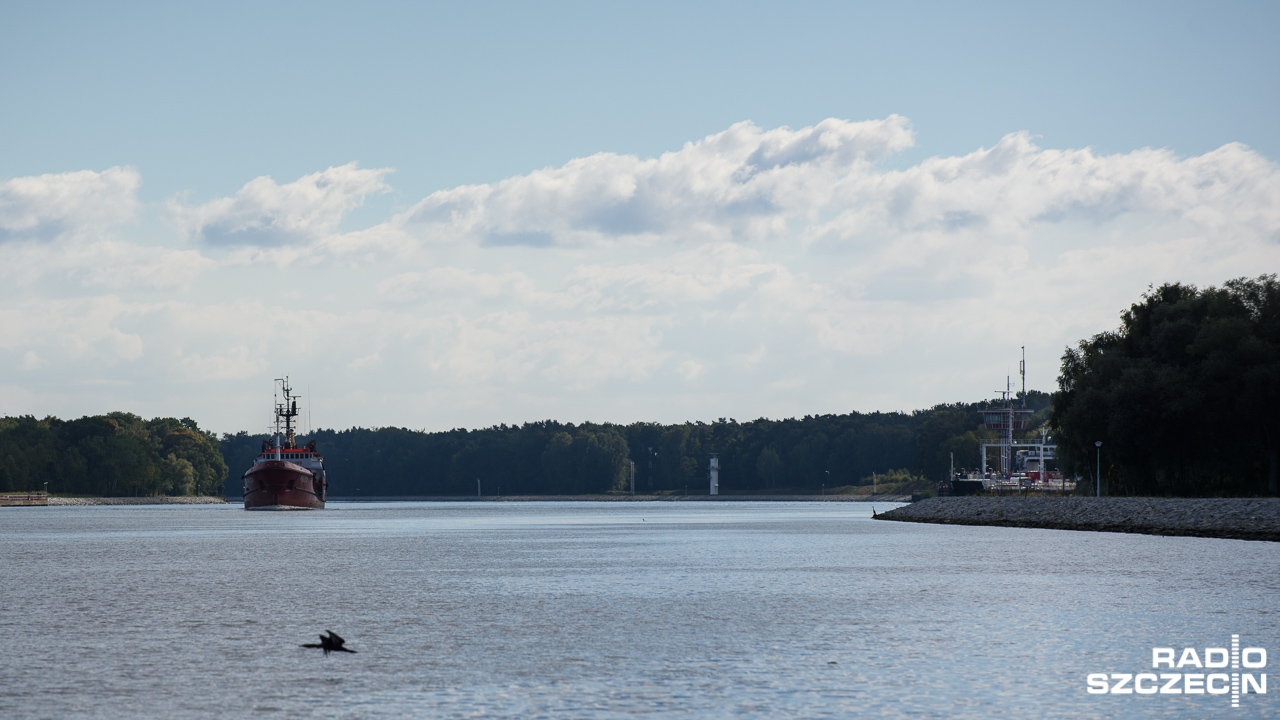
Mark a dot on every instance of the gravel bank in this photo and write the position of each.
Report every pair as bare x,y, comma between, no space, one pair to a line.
201,500
1238,518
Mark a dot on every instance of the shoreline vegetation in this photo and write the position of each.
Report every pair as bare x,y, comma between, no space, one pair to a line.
153,500
1226,518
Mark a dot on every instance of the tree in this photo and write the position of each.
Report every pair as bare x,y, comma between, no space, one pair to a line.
1183,394
768,465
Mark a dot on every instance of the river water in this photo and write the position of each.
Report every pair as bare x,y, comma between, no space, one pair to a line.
604,610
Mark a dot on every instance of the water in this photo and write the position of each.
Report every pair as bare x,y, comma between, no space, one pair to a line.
611,610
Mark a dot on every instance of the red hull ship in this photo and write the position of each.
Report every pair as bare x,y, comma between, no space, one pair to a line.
285,476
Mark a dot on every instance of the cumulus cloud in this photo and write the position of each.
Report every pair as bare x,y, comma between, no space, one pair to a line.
1016,185
45,207
737,184
752,272
264,212
821,186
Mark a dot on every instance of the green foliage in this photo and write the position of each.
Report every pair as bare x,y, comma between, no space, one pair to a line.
891,482
768,467
114,454
588,462
1183,394
891,476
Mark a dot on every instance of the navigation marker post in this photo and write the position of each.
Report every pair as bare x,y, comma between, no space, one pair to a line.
1097,473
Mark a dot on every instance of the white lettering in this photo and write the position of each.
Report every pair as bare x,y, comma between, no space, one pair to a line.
1161,655
1193,683
1189,657
1209,654
1213,690
1122,687
1261,654
1168,688
1097,683
1247,679
1139,688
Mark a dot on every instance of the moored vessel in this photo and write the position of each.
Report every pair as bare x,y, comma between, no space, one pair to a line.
285,476
1024,465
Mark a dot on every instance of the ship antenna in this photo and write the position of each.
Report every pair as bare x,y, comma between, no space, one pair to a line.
1022,368
288,410
275,403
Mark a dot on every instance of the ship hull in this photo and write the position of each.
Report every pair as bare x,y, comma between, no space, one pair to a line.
281,485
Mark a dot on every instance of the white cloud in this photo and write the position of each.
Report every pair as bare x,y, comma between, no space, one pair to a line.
44,207
85,331
32,361
103,264
738,184
1015,186
821,184
443,283
236,363
264,212
753,272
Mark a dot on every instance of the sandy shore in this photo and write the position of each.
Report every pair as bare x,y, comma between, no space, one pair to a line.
1237,518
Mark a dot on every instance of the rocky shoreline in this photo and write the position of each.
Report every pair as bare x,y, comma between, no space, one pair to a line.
627,498
1233,518
162,500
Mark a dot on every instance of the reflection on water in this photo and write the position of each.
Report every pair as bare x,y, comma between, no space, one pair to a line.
602,610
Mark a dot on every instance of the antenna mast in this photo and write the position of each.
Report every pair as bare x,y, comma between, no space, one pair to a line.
286,411
1006,432
1022,368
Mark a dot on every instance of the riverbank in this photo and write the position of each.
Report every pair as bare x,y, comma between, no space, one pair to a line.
162,500
1234,518
629,498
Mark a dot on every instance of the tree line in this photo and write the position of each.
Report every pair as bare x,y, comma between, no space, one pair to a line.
798,455
123,454
114,454
1184,395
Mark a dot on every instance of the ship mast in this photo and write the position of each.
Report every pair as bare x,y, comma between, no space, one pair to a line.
286,411
1006,432
1022,368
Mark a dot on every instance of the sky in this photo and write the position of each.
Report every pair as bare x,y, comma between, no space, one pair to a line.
457,215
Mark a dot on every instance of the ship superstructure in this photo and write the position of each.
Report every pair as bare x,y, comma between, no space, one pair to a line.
1023,465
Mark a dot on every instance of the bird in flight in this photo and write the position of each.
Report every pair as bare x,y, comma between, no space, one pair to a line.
332,643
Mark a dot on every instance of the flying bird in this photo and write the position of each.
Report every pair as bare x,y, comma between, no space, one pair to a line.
332,643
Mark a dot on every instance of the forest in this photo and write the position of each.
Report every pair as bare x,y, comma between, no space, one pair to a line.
114,454
122,454
820,453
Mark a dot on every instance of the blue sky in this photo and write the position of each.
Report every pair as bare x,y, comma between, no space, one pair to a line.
474,92
194,104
